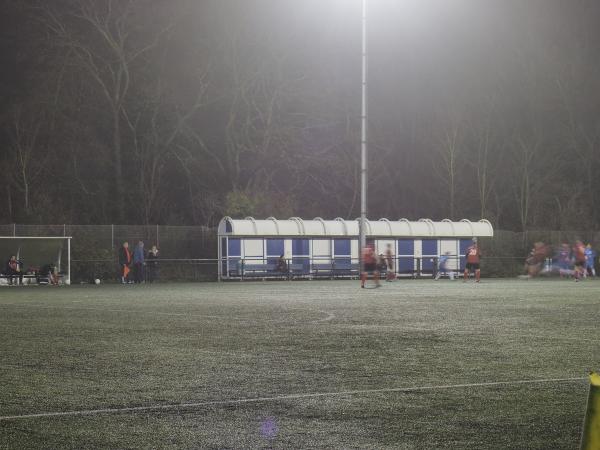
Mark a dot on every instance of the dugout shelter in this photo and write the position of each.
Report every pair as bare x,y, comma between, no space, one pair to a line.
37,251
312,248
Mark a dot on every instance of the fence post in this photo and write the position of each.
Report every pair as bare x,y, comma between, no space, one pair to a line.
157,240
68,280
112,236
14,229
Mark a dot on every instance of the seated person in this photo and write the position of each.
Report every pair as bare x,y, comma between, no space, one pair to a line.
47,274
14,270
281,265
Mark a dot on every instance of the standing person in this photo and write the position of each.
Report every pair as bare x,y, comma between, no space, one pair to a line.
563,260
579,257
590,258
381,264
370,266
138,263
152,264
443,267
473,258
14,271
124,262
389,260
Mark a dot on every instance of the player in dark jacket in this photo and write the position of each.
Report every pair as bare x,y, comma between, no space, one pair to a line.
152,264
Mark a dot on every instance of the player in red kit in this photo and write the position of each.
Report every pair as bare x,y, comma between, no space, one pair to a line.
579,256
369,266
473,258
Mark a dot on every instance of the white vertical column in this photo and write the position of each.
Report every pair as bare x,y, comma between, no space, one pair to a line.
69,261
219,257
363,140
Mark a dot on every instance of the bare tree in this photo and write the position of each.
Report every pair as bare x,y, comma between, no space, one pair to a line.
107,55
533,171
27,155
446,155
486,154
155,131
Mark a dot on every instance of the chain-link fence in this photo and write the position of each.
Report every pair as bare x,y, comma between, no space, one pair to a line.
189,253
184,250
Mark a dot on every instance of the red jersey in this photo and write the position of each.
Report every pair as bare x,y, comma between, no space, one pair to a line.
579,252
368,255
473,254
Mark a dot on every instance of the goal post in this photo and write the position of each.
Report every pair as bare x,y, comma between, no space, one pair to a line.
36,252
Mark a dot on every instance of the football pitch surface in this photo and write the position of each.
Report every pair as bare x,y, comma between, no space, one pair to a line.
323,364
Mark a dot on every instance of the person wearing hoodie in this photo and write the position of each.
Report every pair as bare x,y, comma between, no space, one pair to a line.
152,265
138,263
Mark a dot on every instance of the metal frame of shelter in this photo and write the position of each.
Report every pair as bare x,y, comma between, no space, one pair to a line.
382,229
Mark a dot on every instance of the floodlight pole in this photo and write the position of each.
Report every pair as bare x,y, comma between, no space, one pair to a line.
363,140
69,260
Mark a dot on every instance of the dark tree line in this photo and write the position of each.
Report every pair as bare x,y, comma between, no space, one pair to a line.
182,111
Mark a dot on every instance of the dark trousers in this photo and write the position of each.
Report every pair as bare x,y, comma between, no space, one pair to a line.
138,272
151,272
15,274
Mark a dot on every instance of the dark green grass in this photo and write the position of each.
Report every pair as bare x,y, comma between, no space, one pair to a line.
92,347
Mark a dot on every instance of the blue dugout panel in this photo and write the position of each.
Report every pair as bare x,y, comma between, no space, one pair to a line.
301,254
306,252
429,251
406,256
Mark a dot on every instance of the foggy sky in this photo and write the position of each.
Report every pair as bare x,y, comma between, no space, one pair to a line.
519,73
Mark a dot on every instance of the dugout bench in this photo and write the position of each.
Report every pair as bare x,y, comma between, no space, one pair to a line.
265,271
29,275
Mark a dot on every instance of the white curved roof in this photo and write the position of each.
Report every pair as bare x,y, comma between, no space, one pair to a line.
340,227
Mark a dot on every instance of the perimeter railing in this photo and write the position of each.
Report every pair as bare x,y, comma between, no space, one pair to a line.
297,268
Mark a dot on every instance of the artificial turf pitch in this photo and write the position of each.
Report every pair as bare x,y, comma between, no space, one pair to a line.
243,365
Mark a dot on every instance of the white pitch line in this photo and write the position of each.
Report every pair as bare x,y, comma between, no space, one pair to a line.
158,313
556,338
131,311
176,406
473,332
330,316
